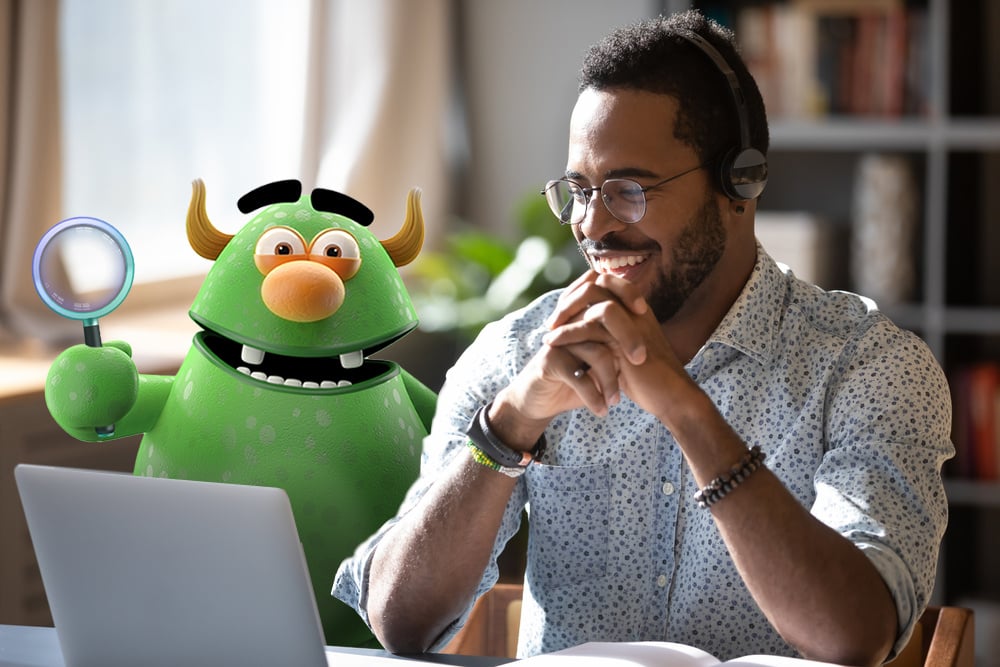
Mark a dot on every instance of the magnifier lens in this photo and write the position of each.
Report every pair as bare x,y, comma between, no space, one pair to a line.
83,268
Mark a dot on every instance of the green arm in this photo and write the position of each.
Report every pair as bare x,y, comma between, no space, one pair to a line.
88,387
424,400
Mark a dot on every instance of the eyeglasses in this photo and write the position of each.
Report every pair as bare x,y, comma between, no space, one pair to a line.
624,198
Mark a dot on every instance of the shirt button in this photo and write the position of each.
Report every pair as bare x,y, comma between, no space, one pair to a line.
661,580
668,489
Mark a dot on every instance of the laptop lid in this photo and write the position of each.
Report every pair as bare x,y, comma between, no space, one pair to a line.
149,571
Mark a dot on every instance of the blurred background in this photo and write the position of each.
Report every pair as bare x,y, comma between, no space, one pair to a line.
885,166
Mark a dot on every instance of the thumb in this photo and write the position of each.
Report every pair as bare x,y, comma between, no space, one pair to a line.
120,345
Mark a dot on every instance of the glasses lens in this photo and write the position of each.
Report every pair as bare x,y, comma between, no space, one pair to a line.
567,201
625,199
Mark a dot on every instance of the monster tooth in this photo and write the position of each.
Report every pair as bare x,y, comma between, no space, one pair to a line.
292,382
327,384
257,375
251,355
244,370
308,384
344,383
275,379
352,359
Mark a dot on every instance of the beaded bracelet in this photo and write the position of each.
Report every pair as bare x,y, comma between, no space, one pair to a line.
720,487
482,458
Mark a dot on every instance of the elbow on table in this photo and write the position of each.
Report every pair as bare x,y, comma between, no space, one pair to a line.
402,632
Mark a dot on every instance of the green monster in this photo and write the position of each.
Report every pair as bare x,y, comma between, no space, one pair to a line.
277,388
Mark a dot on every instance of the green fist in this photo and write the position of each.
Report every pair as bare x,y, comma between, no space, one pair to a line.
89,387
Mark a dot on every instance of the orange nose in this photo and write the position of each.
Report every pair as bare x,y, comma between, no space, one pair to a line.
302,291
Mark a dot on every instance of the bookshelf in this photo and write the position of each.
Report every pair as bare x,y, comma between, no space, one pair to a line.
950,137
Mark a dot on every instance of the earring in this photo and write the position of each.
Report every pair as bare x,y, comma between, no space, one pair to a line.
740,209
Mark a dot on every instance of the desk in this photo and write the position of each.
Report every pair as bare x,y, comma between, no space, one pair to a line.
31,646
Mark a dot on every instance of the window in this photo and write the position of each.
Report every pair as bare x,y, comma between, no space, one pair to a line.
156,94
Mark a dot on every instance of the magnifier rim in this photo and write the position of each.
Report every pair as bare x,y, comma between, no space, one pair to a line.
116,236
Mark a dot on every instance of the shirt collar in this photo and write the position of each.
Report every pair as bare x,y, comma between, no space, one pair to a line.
751,325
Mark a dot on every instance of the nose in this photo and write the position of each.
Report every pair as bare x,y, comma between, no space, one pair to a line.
302,291
597,219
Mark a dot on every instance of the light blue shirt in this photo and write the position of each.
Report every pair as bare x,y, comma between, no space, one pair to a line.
853,413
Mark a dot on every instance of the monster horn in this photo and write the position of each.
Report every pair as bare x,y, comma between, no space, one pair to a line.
206,240
405,245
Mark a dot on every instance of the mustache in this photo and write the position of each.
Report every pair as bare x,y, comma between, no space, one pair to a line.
612,243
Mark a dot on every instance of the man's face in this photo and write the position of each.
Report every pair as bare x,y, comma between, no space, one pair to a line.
677,245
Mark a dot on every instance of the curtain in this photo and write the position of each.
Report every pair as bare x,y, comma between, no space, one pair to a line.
378,106
29,156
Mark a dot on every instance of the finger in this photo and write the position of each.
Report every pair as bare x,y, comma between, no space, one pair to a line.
623,327
573,300
590,369
575,303
607,323
624,291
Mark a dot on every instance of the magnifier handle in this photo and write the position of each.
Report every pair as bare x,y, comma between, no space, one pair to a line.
92,334
92,337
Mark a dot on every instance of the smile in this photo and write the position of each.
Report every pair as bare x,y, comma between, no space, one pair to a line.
610,264
289,371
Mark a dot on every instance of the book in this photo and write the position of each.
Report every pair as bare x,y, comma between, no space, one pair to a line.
653,654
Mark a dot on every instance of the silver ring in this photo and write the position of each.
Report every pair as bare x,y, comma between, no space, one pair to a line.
581,371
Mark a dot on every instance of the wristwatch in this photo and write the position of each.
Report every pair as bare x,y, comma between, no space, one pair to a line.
482,436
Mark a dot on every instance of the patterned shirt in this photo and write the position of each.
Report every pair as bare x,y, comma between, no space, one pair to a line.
853,413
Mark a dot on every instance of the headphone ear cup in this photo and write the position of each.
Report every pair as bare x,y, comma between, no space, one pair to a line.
743,173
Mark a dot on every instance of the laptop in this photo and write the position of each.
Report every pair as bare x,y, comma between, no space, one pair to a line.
148,571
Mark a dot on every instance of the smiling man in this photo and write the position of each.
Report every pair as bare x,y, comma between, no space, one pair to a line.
711,451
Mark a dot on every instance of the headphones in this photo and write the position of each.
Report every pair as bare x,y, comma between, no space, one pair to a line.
743,168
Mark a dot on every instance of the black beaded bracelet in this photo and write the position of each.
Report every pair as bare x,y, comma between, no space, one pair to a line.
720,487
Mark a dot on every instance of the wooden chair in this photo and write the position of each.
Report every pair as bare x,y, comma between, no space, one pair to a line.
944,636
493,625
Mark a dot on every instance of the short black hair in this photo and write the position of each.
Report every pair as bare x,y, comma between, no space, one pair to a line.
651,56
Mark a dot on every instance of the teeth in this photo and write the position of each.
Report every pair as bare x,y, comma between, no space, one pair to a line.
294,382
612,263
255,356
252,355
352,359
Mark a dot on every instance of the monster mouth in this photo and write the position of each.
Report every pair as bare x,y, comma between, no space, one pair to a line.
289,371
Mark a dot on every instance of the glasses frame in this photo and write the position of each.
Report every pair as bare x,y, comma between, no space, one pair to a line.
588,193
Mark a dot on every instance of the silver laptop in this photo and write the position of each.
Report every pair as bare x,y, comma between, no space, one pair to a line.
145,571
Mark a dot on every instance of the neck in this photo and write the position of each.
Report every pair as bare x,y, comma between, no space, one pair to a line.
691,327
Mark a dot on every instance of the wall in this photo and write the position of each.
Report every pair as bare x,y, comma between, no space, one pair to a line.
521,60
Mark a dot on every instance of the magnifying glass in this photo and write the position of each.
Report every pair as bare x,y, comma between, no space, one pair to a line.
83,269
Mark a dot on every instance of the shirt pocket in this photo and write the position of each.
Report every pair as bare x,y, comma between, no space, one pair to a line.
568,522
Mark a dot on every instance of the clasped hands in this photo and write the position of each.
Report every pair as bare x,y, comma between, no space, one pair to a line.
604,340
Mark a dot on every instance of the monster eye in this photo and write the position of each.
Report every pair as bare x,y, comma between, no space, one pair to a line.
281,242
278,245
338,250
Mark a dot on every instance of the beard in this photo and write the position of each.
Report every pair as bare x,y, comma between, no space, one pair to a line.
693,256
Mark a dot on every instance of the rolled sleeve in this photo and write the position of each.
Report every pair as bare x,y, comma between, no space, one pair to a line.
880,482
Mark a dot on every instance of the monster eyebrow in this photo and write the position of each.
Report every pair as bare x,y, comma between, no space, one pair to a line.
341,204
273,193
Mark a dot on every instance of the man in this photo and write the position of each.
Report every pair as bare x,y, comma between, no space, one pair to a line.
685,355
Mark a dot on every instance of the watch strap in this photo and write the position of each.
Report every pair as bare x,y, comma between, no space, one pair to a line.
483,437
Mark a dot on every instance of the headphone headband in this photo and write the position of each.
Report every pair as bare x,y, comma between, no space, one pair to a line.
743,169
